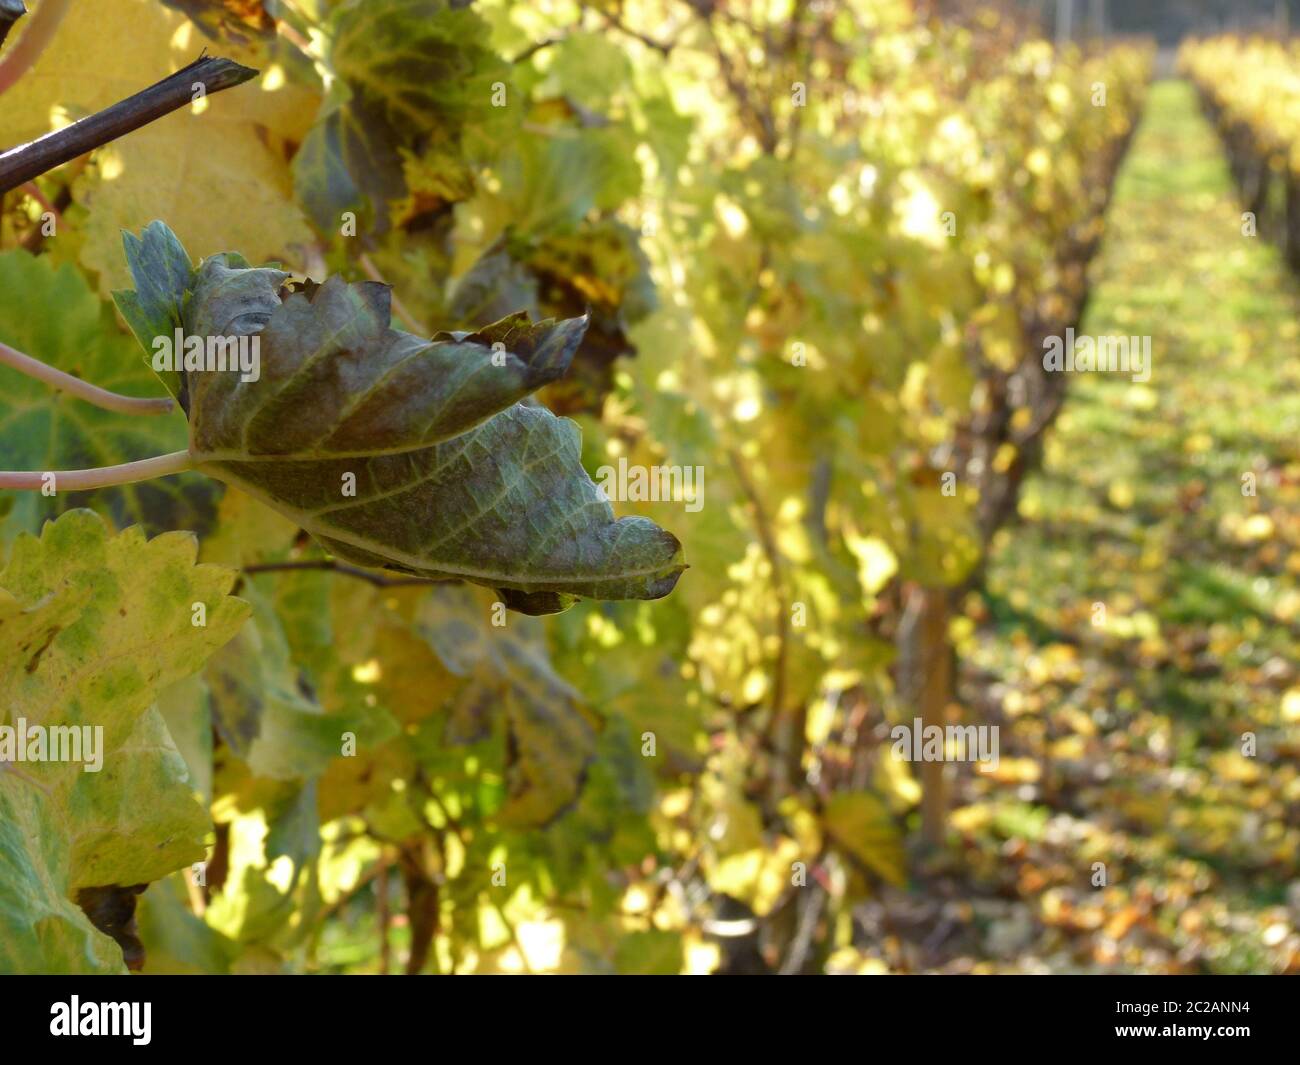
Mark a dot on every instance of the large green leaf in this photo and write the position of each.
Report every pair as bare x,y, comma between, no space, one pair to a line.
411,454
51,314
92,626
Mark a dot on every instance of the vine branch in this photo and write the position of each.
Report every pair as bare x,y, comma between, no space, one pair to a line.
537,46
664,48
214,74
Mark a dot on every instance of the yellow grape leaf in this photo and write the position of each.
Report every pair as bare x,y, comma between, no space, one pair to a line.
757,877
863,828
246,532
176,169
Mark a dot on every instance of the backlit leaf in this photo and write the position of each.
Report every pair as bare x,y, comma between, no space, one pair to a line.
95,625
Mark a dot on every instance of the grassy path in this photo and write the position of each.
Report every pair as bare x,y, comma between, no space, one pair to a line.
1144,617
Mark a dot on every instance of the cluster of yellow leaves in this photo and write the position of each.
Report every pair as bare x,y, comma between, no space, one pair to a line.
1254,82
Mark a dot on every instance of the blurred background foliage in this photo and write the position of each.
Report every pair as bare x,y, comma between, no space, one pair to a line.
821,244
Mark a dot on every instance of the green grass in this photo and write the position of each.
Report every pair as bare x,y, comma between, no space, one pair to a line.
1139,507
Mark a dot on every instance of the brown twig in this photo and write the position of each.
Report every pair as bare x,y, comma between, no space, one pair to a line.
760,118
537,46
423,909
33,190
810,912
294,37
788,53
382,916
343,569
213,74
613,21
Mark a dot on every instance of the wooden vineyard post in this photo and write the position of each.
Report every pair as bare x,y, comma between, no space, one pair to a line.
925,658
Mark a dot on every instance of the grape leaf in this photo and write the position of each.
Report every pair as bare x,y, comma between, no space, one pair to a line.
411,454
589,69
51,314
861,825
176,941
91,627
549,185
597,268
186,708
550,735
163,271
412,79
260,900
262,712
228,19
177,166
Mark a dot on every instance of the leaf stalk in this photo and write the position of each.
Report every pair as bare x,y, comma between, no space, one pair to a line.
100,477
75,386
